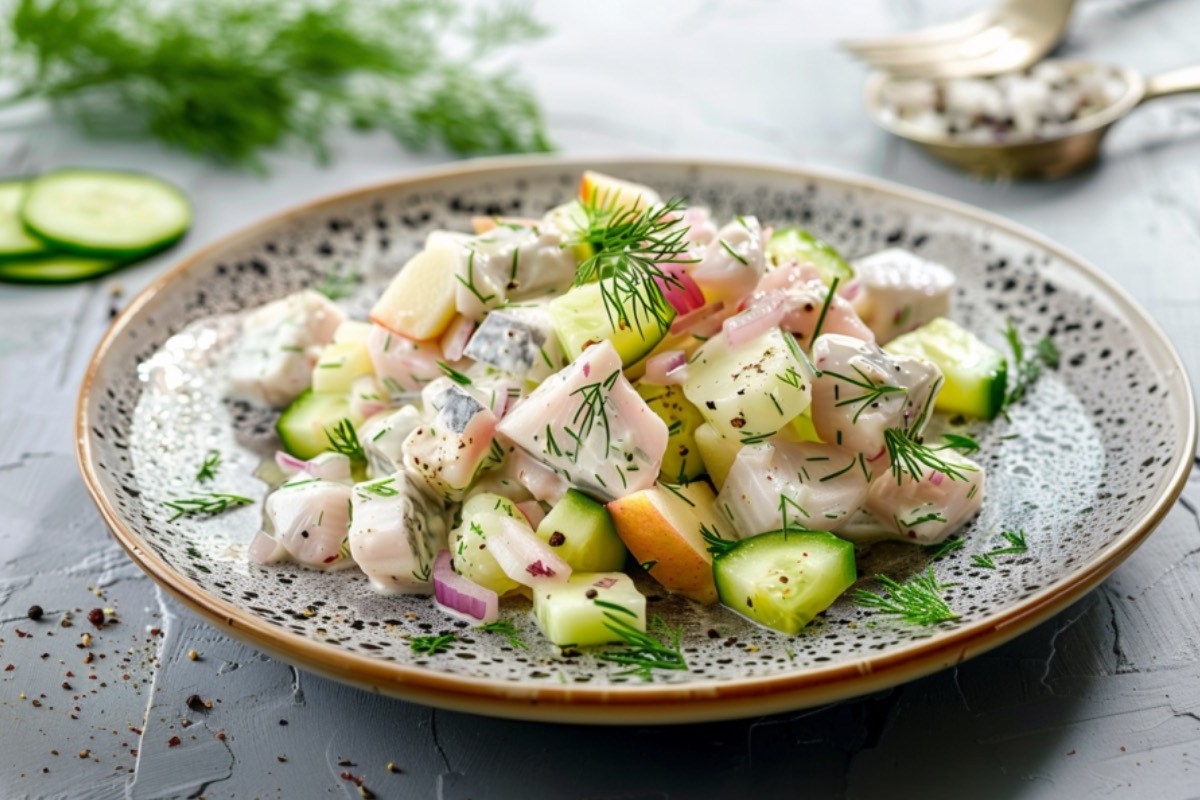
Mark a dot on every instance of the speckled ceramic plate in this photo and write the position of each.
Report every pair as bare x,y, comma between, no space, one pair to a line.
1102,449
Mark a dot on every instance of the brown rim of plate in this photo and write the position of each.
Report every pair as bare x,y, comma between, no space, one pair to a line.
704,700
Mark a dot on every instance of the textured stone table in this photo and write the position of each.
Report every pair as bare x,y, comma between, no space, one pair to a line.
1102,701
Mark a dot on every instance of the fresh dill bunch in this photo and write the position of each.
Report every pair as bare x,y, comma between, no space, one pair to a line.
644,652
918,600
431,645
209,504
628,245
344,439
1026,369
230,79
208,469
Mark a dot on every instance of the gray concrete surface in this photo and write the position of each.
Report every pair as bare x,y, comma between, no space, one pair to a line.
1102,701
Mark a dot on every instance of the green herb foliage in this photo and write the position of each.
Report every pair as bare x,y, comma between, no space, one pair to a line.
344,439
910,457
918,600
208,470
230,79
1016,545
644,652
1026,369
504,628
209,504
431,645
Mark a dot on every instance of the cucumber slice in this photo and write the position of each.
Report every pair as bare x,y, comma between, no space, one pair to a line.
302,424
568,613
582,533
481,516
15,241
580,319
56,268
103,213
681,462
784,579
976,375
796,244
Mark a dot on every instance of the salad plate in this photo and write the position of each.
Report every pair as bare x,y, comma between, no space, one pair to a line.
1081,468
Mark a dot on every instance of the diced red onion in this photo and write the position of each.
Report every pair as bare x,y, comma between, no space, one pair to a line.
367,397
266,549
523,556
765,313
936,478
327,466
679,289
667,368
460,595
605,583
850,289
533,512
454,340
289,463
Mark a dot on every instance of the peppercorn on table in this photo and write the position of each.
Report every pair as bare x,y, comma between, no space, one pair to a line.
109,688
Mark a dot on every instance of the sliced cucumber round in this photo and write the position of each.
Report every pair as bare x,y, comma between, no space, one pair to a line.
796,244
784,579
103,213
56,268
15,241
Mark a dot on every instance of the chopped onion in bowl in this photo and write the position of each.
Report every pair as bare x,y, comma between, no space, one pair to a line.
667,368
460,596
763,314
524,557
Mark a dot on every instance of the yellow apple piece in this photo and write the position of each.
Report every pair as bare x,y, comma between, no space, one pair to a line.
485,224
605,190
419,302
352,330
339,364
717,452
661,527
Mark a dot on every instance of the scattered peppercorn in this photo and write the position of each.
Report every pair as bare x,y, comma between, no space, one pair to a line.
84,753
345,762
96,617
556,539
192,655
66,686
281,759
85,640
365,792
35,612
194,702
391,767
591,594
174,741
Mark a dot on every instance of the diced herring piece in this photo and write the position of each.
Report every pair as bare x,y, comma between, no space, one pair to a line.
309,518
383,436
861,391
519,341
279,344
900,292
733,263
589,425
816,486
396,532
449,450
928,510
401,364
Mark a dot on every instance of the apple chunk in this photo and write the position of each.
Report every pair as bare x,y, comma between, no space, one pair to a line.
419,302
661,527
605,190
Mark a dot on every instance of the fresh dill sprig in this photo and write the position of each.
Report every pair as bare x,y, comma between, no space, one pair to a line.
790,524
209,504
453,374
384,487
717,544
1016,546
940,549
628,247
1026,369
908,456
344,439
871,393
505,628
431,645
957,441
592,410
825,309
918,600
229,79
208,470
338,285
644,651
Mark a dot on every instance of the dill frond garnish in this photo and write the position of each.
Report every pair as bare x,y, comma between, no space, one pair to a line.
1016,546
872,391
628,245
717,544
453,374
344,439
208,469
918,600
1026,369
644,651
957,441
338,285
910,457
504,628
430,645
209,504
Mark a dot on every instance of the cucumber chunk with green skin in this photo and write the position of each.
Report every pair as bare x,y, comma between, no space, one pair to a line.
105,213
785,578
681,462
56,268
581,532
796,244
302,425
15,241
573,612
581,320
481,517
976,375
